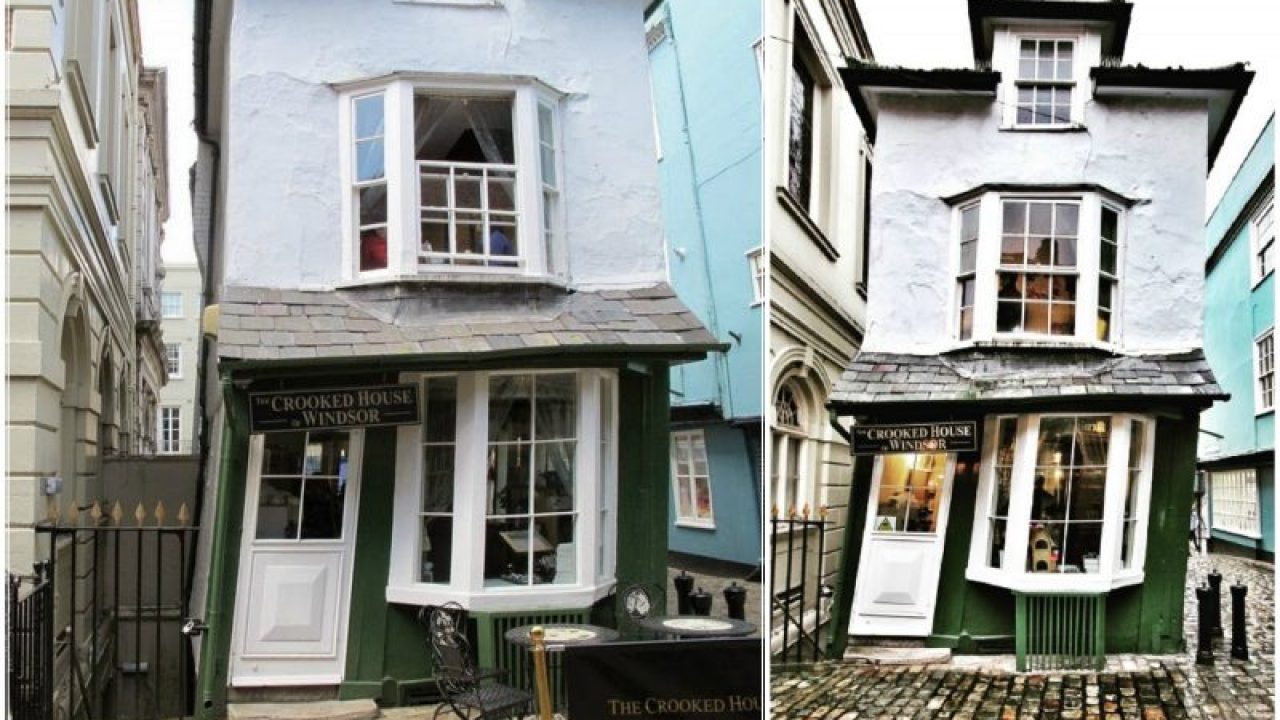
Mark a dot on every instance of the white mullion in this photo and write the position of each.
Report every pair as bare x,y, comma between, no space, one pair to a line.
486,239
471,433
401,176
587,463
1089,264
1114,498
1018,526
979,550
1143,504
530,514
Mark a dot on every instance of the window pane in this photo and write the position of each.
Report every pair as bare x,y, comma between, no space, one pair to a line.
1008,316
1004,481
1062,319
1056,437
326,453
1087,493
998,529
685,496
1015,218
1067,219
547,157
702,489
322,508
436,550
545,126
556,404
1104,325
455,129
557,564
553,485
369,116
373,205
282,453
508,547
910,490
435,189
968,256
1007,441
1011,250
1092,438
470,233
502,191
1036,319
442,403
509,479
437,478
1039,250
466,190
969,224
370,160
1040,219
1108,263
278,501
1110,224
1083,543
966,292
1064,252
966,323
373,249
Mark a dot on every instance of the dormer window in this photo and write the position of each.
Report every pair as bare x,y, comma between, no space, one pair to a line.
1037,267
457,177
1046,81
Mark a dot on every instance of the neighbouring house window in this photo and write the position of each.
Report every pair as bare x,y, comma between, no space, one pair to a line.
171,304
1264,362
1037,274
514,490
800,119
1044,508
437,184
170,429
1234,496
691,477
1027,268
173,360
370,186
1263,238
910,493
1045,81
966,280
755,259
302,495
789,440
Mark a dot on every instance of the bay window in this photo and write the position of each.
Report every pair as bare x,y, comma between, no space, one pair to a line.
1062,502
450,176
1037,267
516,470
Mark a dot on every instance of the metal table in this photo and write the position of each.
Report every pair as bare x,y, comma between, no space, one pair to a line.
696,626
559,635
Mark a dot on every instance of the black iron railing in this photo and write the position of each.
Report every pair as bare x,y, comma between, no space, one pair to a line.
797,593
30,644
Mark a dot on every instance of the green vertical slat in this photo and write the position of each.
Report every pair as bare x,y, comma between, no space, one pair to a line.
1099,631
1020,630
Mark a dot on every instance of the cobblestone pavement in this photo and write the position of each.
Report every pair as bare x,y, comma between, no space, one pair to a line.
1167,687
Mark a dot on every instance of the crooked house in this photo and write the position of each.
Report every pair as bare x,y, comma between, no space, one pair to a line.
1027,396
443,333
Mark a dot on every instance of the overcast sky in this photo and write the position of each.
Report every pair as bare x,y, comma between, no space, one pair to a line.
913,33
1162,33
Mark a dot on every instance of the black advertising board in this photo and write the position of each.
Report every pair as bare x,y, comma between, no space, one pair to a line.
921,437
699,679
334,408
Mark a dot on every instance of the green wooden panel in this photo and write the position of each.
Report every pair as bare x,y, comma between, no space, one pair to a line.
643,475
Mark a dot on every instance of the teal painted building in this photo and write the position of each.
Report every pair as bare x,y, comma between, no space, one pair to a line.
707,104
1237,448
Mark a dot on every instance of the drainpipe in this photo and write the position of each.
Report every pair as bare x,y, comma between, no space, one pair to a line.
851,547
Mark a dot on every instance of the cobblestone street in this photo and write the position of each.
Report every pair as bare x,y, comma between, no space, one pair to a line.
1169,687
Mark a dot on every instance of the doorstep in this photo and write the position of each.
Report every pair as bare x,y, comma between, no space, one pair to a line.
321,710
878,655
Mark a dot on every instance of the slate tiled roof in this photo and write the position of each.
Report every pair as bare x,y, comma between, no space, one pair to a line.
1014,374
453,319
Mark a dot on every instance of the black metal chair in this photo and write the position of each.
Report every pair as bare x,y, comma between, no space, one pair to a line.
467,690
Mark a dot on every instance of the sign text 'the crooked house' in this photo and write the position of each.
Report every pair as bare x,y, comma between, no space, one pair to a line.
923,437
334,408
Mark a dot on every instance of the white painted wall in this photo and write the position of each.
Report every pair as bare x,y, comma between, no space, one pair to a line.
284,194
1152,150
185,332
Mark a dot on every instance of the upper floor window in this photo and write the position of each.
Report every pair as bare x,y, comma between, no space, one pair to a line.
170,430
800,126
1045,81
458,177
1265,368
691,478
171,304
173,360
1263,241
1037,267
755,258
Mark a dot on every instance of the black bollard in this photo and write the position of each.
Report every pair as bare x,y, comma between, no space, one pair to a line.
700,602
1239,639
735,598
1215,584
684,586
1204,629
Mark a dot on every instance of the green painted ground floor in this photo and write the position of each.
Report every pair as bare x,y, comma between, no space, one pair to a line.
372,517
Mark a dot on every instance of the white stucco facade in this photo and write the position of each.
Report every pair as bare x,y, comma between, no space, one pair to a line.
1147,150
292,61
182,331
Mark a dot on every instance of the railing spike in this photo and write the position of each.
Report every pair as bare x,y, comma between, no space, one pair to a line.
140,514
73,513
160,512
774,511
822,512
95,512
805,512
184,515
54,513
791,513
117,513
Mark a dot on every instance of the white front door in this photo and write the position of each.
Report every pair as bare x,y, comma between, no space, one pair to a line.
297,548
901,554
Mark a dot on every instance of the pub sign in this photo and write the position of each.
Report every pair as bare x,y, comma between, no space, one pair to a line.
333,408
913,438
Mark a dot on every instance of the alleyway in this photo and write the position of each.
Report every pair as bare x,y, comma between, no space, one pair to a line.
1131,687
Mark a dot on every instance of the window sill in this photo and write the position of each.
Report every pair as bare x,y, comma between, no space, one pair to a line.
1237,533
454,278
536,597
793,207
1263,413
1072,128
1066,583
1034,342
697,524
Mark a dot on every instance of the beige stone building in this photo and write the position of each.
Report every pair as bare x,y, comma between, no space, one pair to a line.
87,197
178,428
817,167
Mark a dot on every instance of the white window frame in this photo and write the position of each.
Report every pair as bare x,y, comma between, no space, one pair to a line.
759,275
1262,239
1007,43
403,211
782,439
1086,272
172,415
164,310
1264,372
1112,574
173,360
595,478
697,443
1245,516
